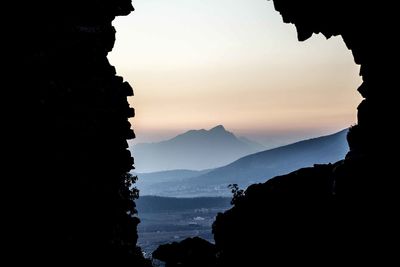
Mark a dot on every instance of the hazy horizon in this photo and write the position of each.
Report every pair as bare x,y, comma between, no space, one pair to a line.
269,140
206,149
196,64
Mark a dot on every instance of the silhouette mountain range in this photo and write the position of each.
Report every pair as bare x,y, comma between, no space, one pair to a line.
193,150
249,169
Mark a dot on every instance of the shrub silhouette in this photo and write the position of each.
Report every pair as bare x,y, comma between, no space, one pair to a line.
237,193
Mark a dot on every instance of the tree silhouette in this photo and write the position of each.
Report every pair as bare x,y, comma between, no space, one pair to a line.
237,193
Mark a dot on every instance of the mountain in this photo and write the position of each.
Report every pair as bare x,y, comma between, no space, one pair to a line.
194,150
256,167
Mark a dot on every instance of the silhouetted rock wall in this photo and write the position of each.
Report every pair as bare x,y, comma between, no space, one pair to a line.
71,191
329,214
368,30
66,124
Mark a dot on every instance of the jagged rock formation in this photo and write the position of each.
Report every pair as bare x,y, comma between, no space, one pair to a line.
336,214
193,252
71,195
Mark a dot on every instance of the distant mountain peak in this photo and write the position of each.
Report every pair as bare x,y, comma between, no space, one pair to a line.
218,128
194,150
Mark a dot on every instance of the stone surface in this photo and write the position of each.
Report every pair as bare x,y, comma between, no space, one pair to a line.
71,197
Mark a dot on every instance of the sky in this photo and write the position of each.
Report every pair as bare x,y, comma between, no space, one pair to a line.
195,64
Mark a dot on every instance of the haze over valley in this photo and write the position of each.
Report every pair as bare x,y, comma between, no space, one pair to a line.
176,204
252,167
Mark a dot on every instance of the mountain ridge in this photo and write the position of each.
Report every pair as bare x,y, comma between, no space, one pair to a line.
193,150
288,152
254,168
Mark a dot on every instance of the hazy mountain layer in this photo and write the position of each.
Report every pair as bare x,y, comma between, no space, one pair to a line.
250,169
194,150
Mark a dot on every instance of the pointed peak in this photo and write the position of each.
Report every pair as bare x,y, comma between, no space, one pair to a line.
218,128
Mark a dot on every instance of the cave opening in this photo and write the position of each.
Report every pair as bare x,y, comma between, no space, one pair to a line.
201,64
67,157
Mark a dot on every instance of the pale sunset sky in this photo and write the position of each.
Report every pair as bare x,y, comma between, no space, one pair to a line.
195,64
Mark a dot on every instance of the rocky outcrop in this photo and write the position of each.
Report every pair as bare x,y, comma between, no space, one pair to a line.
288,218
191,252
72,201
